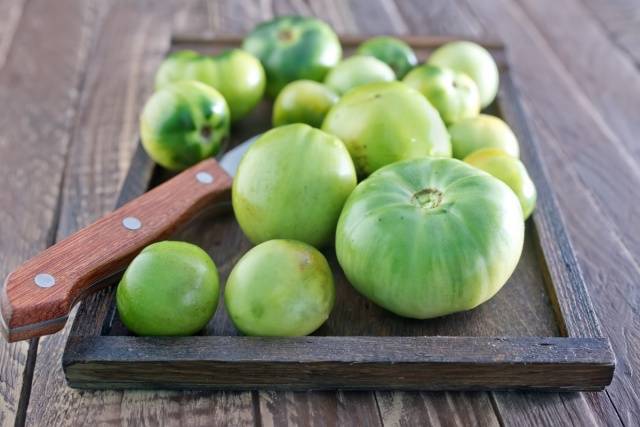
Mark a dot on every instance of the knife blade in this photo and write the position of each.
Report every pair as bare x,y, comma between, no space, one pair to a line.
36,297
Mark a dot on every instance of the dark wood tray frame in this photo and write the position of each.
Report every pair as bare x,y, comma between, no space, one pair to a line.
580,359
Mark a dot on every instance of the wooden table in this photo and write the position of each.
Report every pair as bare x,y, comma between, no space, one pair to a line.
74,75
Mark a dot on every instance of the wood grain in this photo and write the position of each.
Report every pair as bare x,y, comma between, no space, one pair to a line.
36,109
461,18
595,243
590,227
422,363
621,20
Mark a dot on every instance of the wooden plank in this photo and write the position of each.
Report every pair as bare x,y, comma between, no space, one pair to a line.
447,18
564,127
37,108
10,14
610,87
133,37
621,20
423,363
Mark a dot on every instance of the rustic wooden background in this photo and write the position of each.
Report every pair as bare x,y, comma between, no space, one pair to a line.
74,75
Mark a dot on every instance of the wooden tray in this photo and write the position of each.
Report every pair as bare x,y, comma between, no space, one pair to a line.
538,332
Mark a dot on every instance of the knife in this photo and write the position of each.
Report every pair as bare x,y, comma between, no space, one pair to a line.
37,296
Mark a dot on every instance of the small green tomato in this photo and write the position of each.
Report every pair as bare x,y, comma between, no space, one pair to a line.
184,123
280,288
482,131
303,101
392,51
454,94
170,288
475,61
356,71
509,170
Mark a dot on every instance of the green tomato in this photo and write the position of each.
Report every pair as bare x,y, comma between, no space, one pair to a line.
454,94
170,288
382,123
392,51
509,170
482,131
303,101
475,61
293,48
292,184
236,74
280,288
357,71
184,123
428,237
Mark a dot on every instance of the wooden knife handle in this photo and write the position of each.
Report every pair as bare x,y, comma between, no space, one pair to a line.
38,296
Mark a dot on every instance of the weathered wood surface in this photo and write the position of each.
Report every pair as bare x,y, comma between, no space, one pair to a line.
36,122
584,148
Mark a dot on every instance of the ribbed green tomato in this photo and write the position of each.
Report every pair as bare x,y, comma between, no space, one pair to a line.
482,131
382,123
473,60
357,71
509,170
236,74
292,184
184,123
428,237
454,94
303,101
170,288
293,48
392,51
280,288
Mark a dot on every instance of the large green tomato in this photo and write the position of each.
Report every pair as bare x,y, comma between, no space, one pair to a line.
482,131
392,51
382,123
357,71
184,123
454,94
292,184
428,237
170,288
293,48
509,170
236,74
280,288
303,101
475,61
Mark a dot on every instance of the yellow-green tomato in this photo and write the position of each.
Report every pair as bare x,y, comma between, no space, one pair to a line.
170,288
475,61
428,237
303,101
356,71
236,74
454,94
392,51
382,123
184,123
509,170
482,131
291,184
280,288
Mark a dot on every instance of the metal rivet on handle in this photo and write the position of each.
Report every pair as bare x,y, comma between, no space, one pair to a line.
131,223
44,280
204,177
